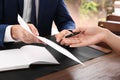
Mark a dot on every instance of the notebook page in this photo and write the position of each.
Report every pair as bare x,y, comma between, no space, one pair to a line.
38,54
13,59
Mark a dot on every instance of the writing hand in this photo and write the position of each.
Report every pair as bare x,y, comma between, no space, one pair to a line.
61,35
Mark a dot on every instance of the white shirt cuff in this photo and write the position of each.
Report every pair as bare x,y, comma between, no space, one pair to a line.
8,37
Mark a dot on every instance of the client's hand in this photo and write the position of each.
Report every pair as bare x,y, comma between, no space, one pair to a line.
87,36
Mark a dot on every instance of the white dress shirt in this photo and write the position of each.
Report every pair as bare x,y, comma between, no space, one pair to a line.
26,17
27,10
37,9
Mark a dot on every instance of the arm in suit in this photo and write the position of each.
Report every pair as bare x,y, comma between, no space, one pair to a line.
2,34
2,27
62,18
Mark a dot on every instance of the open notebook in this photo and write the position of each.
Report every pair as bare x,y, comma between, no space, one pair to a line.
24,57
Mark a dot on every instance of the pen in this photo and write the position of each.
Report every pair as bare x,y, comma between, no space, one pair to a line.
72,34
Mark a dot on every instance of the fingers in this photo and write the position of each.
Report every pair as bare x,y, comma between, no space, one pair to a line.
18,33
61,35
33,29
70,41
75,42
29,38
82,43
78,45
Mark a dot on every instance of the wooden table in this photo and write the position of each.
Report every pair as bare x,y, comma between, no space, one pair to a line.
102,68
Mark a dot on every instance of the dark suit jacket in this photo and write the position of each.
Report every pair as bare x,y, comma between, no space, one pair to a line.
50,10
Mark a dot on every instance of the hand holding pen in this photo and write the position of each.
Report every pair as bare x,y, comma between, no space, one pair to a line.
72,34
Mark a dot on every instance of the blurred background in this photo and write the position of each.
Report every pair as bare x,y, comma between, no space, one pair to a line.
89,12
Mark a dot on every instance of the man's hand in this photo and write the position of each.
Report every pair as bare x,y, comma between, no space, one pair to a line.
61,35
18,33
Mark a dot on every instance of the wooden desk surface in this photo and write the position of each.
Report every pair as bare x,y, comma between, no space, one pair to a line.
103,68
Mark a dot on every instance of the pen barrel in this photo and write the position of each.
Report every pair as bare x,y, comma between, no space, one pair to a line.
72,34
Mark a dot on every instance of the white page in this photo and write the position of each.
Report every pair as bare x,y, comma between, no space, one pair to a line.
38,54
23,57
60,49
13,59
